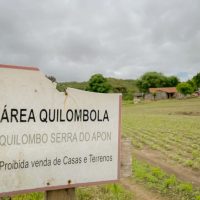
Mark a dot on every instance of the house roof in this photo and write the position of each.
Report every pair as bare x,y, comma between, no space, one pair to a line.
164,89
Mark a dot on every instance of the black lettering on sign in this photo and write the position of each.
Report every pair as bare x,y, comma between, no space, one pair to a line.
4,115
17,115
24,115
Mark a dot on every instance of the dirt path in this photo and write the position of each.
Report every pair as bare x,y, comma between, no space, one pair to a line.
140,192
157,159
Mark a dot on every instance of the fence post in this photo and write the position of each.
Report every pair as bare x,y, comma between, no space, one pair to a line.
126,158
65,194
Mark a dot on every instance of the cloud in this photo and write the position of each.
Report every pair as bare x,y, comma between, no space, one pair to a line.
122,38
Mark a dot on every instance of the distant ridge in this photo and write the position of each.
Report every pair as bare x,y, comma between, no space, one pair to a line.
125,86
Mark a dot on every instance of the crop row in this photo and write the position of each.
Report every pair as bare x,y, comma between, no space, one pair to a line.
182,150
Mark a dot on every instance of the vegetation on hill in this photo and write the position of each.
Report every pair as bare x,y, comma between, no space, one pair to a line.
126,87
78,85
98,83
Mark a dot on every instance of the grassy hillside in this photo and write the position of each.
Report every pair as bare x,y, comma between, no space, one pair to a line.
127,87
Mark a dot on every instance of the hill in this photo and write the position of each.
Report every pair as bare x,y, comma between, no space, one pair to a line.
126,87
78,85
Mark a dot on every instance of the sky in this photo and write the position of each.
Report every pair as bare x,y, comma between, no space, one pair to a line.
74,39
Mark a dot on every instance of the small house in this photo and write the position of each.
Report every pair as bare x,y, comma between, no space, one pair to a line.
163,93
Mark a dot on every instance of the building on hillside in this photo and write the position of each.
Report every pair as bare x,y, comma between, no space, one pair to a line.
161,93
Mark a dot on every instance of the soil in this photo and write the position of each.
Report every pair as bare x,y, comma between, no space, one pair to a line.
157,159
188,113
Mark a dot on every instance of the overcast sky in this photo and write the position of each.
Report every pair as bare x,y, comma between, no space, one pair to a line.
73,39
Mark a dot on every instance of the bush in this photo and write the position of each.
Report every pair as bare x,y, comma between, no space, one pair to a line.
185,88
127,96
98,83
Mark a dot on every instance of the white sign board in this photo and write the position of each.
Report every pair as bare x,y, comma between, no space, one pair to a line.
51,140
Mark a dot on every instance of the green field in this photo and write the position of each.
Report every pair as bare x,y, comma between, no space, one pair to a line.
170,126
171,129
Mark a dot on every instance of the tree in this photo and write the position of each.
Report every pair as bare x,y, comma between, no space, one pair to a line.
98,83
155,80
149,79
120,89
185,88
51,78
172,81
196,80
192,84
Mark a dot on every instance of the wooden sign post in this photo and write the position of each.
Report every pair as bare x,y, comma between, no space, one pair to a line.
66,194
